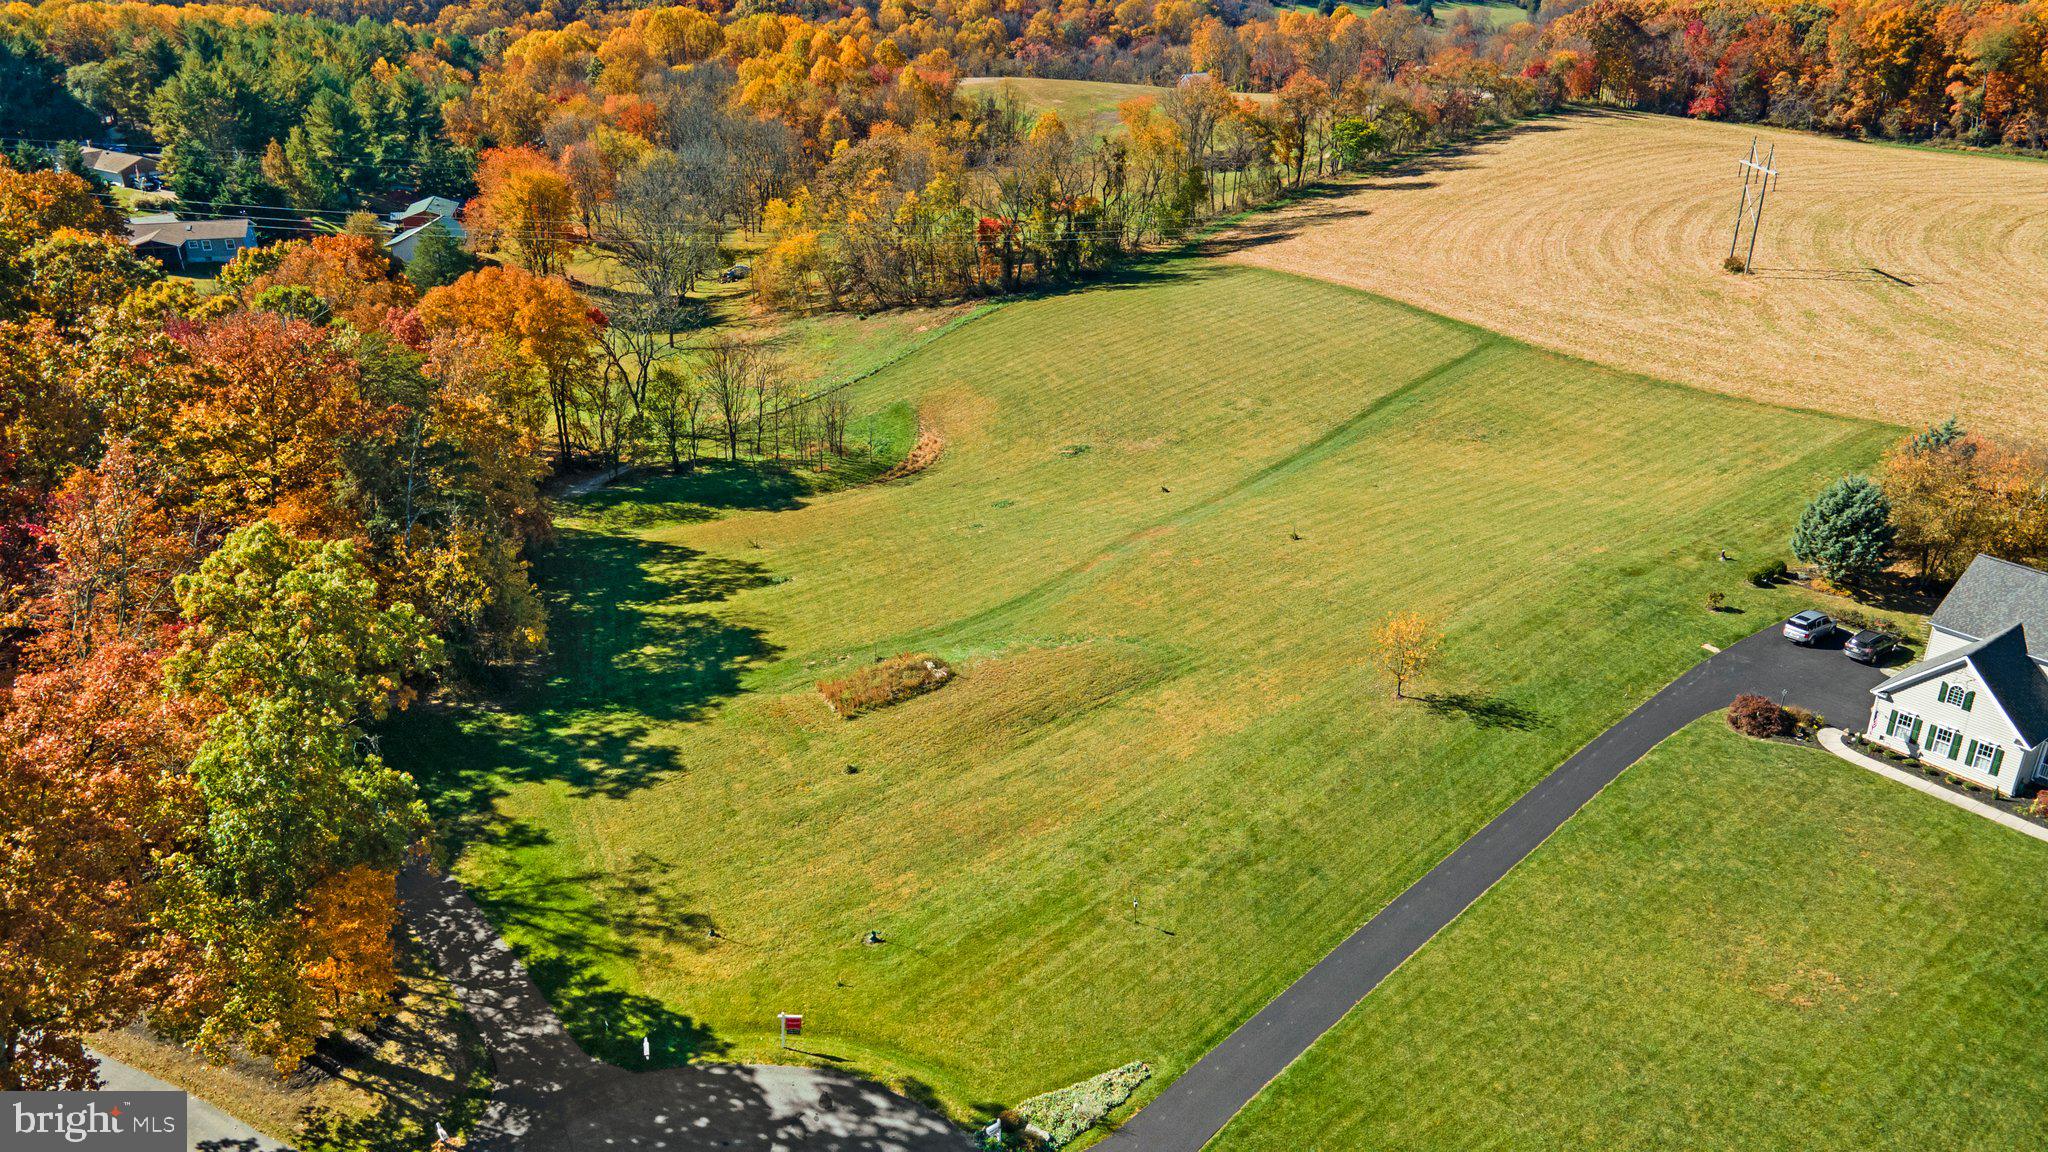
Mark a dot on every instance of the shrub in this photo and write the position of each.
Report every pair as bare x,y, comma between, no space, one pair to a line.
1734,264
2038,809
1758,716
885,682
1803,720
1716,601
1770,574
1067,1112
1859,619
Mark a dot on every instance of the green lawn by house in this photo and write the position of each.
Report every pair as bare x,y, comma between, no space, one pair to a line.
1737,945
1168,512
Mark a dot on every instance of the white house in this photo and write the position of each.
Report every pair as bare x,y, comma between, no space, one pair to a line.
427,209
1977,705
405,245
110,166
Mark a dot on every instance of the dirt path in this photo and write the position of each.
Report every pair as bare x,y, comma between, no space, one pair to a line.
548,1095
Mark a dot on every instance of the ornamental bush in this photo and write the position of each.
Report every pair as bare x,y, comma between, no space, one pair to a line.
1758,716
1067,1112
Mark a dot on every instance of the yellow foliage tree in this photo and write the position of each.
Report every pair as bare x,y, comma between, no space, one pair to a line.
1404,647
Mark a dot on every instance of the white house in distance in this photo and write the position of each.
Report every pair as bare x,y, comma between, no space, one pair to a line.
110,166
412,222
1977,705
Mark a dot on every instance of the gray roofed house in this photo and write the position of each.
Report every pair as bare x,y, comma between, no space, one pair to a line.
128,169
183,243
1977,705
1992,594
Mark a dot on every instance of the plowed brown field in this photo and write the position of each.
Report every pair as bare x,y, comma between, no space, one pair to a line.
1894,283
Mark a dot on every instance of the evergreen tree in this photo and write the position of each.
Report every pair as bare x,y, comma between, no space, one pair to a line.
1847,531
438,259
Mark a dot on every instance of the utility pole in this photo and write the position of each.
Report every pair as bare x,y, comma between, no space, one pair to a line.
1763,175
1742,205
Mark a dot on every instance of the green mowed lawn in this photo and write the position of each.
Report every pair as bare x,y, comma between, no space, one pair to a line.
1168,513
1737,945
1086,107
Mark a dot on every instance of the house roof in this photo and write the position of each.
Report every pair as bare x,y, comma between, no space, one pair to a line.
2017,684
438,205
1993,594
112,162
178,231
437,222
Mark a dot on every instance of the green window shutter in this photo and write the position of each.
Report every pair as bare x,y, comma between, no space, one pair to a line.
1916,730
1969,698
1997,758
1941,693
1965,758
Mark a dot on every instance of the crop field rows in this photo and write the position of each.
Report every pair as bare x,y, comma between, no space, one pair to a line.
1891,283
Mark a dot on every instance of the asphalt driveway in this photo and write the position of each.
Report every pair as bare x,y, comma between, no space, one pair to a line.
1195,1107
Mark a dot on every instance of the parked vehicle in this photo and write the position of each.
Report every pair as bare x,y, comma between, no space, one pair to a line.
735,273
1870,647
1809,627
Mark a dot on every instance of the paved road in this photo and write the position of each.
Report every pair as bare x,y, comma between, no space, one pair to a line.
548,1095
1195,1107
207,1128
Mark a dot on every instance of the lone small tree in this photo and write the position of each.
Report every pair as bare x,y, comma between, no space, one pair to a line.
1404,646
1847,531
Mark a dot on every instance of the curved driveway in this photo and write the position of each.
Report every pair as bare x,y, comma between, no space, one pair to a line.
1195,1107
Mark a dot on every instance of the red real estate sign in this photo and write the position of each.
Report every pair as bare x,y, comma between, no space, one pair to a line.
792,1025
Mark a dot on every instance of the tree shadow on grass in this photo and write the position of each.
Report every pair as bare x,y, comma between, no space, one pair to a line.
637,646
1484,711
708,489
610,1023
568,926
421,1067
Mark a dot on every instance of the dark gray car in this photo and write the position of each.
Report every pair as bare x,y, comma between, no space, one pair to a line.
1871,647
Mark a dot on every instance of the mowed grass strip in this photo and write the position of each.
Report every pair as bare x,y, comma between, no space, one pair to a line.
1736,945
1167,514
1892,283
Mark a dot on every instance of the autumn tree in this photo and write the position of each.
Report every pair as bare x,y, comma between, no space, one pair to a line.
116,554
93,801
275,399
541,319
523,204
288,651
1404,647
351,276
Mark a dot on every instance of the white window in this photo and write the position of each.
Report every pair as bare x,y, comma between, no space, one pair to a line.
1985,758
1957,695
206,245
1902,726
1945,741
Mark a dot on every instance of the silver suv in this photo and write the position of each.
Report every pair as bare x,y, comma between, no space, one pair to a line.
1809,627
